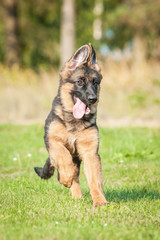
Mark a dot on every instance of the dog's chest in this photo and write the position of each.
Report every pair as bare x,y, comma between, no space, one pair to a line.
71,143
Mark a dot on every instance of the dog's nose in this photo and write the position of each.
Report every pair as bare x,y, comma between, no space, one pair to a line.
92,98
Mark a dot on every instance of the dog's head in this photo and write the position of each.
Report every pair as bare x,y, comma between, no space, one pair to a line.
80,79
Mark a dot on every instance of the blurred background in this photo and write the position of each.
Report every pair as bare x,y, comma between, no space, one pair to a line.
38,36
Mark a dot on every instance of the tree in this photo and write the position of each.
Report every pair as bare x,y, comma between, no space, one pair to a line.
11,28
67,30
132,19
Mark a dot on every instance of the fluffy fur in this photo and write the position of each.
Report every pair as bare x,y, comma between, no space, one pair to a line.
70,140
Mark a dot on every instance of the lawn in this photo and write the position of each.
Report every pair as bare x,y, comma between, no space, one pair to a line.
31,208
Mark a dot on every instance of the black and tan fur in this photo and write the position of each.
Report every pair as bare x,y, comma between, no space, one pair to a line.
69,140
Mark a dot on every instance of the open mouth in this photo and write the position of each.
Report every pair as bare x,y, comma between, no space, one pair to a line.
80,108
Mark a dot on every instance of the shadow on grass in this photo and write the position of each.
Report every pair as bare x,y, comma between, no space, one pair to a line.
134,194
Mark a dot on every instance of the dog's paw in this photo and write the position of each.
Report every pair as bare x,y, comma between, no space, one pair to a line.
67,184
66,181
100,202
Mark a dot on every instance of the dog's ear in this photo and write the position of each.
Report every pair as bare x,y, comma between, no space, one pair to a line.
79,57
84,55
93,55
92,59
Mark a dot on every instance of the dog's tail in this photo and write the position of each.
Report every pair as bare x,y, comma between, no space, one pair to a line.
47,171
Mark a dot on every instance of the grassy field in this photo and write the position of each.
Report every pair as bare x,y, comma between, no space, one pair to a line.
31,208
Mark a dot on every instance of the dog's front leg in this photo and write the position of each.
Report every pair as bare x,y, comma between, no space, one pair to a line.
87,146
63,161
75,188
92,168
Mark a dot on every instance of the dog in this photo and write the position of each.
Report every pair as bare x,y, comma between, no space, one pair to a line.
71,133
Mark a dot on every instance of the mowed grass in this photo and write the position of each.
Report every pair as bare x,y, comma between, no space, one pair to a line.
31,208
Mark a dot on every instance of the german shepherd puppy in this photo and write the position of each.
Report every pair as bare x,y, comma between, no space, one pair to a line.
71,133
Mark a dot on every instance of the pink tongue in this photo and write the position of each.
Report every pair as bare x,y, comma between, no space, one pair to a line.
79,109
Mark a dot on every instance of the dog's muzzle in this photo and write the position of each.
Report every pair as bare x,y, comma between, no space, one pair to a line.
92,98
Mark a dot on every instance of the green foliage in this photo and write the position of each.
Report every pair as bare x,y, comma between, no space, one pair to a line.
39,27
31,208
84,22
2,37
39,32
132,18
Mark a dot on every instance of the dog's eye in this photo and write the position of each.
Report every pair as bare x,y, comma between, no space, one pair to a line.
95,82
81,81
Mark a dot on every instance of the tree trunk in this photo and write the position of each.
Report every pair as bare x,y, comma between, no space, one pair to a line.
67,30
11,26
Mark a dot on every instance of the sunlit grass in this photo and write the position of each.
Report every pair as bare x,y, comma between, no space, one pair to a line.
31,208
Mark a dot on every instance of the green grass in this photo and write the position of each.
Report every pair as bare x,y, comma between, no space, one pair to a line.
31,208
